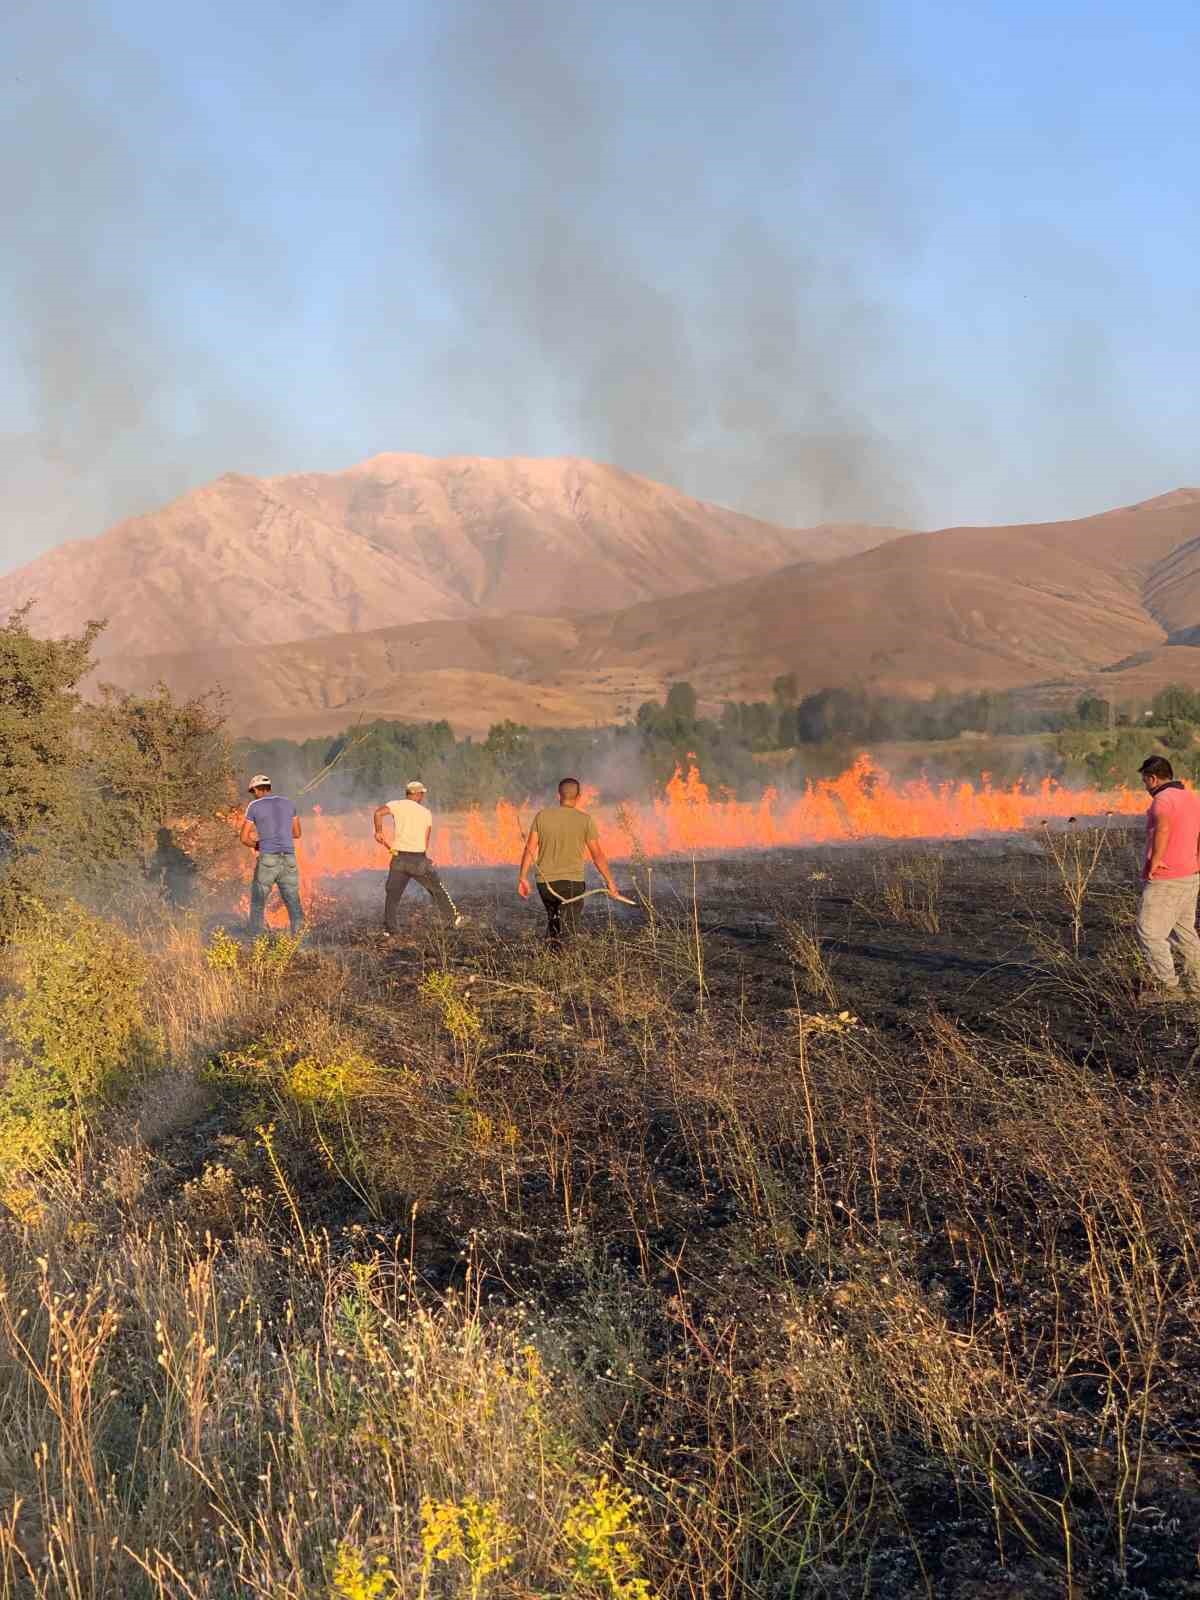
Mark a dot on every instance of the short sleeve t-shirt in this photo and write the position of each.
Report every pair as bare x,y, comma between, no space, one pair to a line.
1181,807
412,823
564,833
272,815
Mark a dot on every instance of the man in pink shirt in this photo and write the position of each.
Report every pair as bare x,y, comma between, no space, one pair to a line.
1170,878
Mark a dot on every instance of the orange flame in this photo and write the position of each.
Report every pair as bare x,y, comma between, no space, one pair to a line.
861,803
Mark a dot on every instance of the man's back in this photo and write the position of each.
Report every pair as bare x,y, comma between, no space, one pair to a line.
272,816
1181,809
412,822
564,833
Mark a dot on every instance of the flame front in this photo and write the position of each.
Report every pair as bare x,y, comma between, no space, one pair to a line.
862,803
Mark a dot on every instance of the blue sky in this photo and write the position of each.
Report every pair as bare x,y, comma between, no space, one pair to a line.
927,263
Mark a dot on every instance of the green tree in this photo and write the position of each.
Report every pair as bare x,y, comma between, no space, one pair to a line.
507,744
385,755
1092,712
152,762
39,747
785,691
681,703
1179,734
289,765
1117,761
649,717
1176,702
759,726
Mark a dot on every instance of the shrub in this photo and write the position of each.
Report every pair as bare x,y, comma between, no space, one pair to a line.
79,1025
1179,734
153,762
266,962
444,993
222,952
475,1533
598,1532
323,1089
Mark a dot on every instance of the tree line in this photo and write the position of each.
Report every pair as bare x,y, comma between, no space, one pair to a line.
814,735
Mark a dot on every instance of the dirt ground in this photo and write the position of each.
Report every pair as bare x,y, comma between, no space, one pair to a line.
998,905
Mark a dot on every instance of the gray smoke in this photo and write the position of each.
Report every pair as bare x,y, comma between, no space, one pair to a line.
611,265
613,246
117,395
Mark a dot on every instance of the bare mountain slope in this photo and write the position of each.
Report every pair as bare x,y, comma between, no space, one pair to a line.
959,608
968,607
398,539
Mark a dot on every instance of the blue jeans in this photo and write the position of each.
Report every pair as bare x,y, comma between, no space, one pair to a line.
276,871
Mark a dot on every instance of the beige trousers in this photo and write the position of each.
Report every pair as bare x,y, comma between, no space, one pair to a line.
1168,912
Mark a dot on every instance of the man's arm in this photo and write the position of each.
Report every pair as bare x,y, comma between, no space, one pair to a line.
602,866
380,837
249,833
526,860
1158,845
295,826
428,836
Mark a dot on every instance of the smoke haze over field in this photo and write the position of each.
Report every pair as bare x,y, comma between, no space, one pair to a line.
845,259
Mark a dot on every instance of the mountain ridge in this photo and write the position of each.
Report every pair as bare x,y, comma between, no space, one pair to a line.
960,608
397,539
487,552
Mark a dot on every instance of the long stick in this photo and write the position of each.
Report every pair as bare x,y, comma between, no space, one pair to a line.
349,745
624,899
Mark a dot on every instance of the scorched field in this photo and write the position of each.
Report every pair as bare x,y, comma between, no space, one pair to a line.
825,1225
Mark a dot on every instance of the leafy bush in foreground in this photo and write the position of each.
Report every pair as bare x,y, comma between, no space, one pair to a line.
79,1026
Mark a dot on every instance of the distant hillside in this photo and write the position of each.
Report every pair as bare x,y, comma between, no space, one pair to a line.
960,608
472,673
399,539
1088,604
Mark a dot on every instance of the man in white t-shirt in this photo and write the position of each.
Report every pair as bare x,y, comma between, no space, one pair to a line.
412,823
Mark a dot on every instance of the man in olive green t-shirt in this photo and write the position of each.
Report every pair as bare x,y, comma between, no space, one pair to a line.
561,835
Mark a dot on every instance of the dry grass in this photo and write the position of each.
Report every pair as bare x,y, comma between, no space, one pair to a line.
1078,857
908,890
506,1275
803,945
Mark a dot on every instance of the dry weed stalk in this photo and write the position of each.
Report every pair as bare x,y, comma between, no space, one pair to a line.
1076,854
908,889
803,945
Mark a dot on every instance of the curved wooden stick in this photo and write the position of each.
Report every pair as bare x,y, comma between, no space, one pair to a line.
575,898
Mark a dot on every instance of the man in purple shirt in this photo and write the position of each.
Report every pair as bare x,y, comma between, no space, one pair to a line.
271,828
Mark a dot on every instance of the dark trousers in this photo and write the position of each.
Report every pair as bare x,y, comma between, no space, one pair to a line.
561,919
416,866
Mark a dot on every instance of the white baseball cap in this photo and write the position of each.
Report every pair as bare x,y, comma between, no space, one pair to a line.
259,781
415,784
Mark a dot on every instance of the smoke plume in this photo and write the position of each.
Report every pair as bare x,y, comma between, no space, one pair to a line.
611,248
680,274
